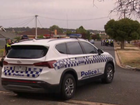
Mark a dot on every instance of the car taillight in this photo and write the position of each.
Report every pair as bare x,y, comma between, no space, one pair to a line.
5,63
46,64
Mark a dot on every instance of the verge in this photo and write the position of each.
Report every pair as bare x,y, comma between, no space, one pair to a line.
120,64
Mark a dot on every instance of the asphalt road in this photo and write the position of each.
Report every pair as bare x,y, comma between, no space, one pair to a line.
124,90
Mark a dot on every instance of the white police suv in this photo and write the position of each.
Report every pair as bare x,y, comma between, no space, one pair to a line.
55,65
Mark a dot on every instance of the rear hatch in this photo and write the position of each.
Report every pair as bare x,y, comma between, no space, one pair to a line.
22,61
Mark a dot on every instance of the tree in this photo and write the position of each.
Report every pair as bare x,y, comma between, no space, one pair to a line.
59,30
82,31
98,37
88,36
126,8
123,30
68,32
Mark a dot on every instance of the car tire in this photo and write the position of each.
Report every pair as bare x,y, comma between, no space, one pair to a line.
108,74
68,87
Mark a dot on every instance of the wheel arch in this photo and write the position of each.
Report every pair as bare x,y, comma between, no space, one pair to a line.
69,71
112,63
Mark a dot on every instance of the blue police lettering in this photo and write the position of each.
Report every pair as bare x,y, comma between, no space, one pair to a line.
62,65
82,73
20,75
81,60
90,72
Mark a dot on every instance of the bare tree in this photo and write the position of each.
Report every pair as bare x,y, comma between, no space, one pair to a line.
127,8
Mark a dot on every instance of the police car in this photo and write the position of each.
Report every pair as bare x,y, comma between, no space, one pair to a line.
55,66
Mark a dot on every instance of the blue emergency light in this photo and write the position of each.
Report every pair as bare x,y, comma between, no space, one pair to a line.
75,35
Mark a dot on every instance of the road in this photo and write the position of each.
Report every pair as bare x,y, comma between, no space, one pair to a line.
124,90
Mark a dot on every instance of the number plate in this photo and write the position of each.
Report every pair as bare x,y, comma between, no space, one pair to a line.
21,68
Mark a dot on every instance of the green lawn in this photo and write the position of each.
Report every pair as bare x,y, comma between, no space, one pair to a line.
2,44
1,52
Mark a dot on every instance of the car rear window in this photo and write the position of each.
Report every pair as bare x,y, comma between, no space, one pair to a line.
27,52
62,48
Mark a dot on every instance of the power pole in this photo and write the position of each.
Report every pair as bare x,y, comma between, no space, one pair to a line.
124,12
36,26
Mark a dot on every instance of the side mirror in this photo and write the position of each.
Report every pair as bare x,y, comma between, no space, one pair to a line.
100,51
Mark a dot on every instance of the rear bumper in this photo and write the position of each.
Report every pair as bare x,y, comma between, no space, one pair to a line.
29,86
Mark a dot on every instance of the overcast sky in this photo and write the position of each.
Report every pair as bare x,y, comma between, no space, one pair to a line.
64,13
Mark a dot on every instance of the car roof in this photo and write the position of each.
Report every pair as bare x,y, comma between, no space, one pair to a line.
44,42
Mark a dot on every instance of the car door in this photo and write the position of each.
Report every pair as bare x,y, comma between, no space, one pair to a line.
97,64
77,58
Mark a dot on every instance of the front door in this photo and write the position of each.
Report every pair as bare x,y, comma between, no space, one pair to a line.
96,62
77,59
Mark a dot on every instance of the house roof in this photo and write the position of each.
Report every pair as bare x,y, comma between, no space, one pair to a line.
39,32
7,34
1,36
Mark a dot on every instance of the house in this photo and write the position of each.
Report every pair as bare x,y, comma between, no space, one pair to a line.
103,35
42,32
7,34
72,30
4,34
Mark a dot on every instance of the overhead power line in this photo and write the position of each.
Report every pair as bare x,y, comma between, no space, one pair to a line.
28,22
76,19
39,22
22,23
10,19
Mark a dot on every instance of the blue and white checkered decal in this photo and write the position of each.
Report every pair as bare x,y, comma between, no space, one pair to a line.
29,72
67,63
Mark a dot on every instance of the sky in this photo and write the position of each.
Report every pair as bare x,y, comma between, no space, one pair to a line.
64,13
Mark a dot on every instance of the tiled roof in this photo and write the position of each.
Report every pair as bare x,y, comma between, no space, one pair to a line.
7,34
39,32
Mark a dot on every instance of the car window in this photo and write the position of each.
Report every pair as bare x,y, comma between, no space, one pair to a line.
61,48
27,52
74,48
88,48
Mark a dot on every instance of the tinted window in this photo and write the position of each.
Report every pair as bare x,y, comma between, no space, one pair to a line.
27,52
74,48
61,48
88,47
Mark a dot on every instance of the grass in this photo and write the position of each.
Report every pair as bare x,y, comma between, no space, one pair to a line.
1,52
129,45
2,44
131,58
